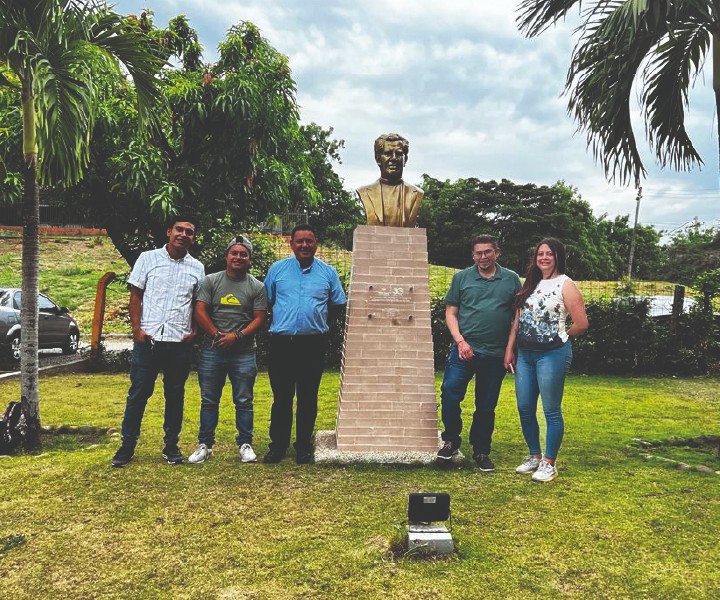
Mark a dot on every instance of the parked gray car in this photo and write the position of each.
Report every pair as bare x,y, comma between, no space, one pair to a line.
56,328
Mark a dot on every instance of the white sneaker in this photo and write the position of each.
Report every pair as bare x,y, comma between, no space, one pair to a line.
545,472
201,454
530,463
247,454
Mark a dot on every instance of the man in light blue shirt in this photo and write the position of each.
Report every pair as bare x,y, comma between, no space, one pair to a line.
300,290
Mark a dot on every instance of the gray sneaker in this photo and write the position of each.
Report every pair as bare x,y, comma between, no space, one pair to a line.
201,454
529,465
545,472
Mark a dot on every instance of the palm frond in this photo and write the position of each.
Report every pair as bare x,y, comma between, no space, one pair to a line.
535,16
658,44
668,77
53,47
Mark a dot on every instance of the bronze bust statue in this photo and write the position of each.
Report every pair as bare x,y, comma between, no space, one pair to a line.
390,201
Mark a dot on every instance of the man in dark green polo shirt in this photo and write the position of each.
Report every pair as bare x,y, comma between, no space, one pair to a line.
478,311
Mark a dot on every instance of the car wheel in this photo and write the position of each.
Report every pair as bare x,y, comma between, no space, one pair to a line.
72,344
15,347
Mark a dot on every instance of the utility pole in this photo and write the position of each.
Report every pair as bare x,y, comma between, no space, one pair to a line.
634,233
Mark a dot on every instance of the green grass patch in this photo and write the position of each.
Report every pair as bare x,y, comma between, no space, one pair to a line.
69,271
613,525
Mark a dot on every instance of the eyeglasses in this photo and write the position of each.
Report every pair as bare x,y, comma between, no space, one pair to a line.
484,253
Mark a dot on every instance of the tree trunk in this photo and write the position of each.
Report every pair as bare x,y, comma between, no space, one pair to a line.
118,238
29,395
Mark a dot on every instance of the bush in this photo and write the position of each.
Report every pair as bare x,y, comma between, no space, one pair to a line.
442,340
620,338
624,339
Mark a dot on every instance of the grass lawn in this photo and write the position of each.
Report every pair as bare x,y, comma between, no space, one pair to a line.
613,525
70,268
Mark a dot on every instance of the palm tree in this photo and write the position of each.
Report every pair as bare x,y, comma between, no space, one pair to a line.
47,50
659,44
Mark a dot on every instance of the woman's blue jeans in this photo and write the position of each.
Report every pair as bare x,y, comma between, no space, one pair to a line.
542,372
213,368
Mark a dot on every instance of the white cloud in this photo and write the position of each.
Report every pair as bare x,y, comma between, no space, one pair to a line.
472,95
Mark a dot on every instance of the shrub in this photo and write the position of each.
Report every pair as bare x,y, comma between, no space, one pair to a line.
442,340
623,339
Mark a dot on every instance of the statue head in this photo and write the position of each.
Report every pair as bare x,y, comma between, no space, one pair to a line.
391,152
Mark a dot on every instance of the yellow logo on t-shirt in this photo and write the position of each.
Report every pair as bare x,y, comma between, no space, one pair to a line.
229,299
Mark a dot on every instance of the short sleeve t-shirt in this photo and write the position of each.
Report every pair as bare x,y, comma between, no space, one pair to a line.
232,304
484,307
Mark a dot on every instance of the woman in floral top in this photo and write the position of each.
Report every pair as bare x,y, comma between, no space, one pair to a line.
542,341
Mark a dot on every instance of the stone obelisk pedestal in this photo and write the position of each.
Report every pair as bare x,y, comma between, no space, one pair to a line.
387,398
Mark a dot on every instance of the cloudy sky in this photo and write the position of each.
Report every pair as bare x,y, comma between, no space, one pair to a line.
473,96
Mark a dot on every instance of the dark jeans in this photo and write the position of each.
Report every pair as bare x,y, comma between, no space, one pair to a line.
295,368
214,366
173,359
489,372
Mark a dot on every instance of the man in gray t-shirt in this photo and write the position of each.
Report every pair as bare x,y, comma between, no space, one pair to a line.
231,307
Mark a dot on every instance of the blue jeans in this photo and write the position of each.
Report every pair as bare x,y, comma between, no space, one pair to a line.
488,372
542,372
213,367
173,359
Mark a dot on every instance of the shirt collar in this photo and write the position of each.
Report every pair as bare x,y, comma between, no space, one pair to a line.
167,254
304,269
496,275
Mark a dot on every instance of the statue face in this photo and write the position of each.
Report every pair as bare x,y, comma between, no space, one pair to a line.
391,161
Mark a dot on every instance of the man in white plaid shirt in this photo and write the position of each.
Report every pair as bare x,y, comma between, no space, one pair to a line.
163,286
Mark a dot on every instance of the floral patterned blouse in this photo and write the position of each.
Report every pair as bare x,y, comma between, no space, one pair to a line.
542,318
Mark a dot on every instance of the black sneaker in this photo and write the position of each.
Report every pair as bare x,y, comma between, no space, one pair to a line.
447,451
484,463
123,456
173,455
304,457
273,456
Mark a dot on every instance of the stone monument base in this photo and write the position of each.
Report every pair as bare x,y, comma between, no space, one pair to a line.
326,451
387,404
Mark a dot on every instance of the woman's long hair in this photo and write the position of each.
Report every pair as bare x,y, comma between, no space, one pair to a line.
534,274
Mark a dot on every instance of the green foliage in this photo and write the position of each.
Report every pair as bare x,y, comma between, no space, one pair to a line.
708,284
649,261
9,542
623,338
442,340
650,50
219,235
692,252
338,213
229,144
54,49
520,215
